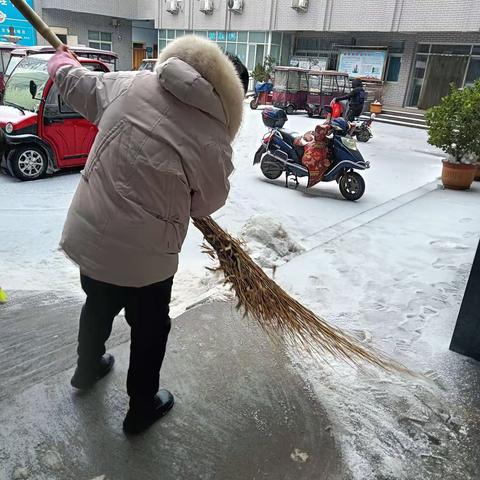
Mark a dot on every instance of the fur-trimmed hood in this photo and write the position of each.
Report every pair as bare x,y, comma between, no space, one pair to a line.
214,66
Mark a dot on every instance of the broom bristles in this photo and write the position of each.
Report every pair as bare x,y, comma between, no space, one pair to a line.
278,314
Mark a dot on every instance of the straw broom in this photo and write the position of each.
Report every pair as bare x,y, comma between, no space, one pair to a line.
280,315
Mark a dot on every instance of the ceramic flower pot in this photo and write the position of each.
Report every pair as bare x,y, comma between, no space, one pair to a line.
477,174
458,176
376,108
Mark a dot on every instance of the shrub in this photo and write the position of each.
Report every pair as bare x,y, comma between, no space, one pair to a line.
454,124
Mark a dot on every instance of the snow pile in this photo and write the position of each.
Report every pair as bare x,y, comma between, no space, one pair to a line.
267,241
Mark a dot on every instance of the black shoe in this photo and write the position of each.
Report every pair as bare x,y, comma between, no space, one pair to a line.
139,418
83,378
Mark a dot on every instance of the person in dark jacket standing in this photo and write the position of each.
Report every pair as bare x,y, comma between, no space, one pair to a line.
356,99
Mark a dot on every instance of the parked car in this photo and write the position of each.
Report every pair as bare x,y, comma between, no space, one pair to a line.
148,64
104,56
41,133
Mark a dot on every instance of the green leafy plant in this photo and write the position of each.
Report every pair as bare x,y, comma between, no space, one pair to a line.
259,73
269,65
454,124
263,73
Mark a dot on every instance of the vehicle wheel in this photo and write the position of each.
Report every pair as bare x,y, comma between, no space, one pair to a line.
29,163
352,186
271,169
254,104
363,136
310,113
290,109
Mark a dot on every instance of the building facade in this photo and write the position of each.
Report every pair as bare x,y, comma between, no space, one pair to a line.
419,46
427,44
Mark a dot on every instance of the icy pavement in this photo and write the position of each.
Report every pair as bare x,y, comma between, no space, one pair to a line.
241,411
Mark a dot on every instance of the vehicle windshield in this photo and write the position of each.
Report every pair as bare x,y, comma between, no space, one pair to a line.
281,78
147,66
5,55
13,62
17,91
315,83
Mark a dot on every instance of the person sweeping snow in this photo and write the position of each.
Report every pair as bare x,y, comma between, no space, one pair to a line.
161,156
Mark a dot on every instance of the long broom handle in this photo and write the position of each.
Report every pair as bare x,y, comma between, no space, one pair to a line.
37,23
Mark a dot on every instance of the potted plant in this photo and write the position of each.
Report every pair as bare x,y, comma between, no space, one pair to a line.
453,126
377,105
263,73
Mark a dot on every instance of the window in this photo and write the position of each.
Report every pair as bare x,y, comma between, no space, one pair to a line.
257,37
473,72
100,40
393,71
328,85
423,48
452,49
397,46
275,53
306,43
251,57
242,53
476,50
243,37
260,55
276,38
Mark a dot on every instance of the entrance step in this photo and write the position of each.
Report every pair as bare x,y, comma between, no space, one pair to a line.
403,117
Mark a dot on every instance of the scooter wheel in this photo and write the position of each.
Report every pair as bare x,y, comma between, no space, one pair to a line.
352,186
310,113
253,104
271,169
363,136
290,110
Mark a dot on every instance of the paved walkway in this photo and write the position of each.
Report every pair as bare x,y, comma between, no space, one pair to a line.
241,412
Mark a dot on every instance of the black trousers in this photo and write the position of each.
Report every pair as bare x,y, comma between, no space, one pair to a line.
353,113
146,311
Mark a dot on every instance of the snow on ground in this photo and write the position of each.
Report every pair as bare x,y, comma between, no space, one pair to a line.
32,214
395,280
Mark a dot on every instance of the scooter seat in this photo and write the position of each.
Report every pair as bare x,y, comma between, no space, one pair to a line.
297,150
289,136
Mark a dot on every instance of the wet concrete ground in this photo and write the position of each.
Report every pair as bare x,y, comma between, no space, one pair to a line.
241,411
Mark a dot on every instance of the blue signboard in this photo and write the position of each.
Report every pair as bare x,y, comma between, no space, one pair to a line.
12,22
